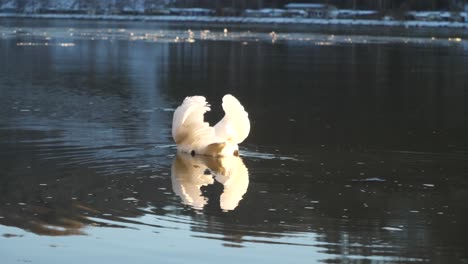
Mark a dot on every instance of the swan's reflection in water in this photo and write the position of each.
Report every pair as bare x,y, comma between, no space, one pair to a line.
190,173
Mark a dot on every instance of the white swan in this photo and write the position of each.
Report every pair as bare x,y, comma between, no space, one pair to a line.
188,175
195,136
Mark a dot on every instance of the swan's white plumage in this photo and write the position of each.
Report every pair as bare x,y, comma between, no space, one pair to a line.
189,117
235,125
193,134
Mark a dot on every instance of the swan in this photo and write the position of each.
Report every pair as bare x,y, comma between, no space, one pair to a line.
189,174
195,136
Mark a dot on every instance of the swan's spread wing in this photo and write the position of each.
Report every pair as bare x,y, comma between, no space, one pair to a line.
188,125
235,125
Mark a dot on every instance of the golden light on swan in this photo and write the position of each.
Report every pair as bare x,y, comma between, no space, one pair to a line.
195,136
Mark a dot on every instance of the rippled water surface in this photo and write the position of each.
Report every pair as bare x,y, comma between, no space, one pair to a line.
358,151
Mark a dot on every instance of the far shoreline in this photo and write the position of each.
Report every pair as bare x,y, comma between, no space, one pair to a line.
389,27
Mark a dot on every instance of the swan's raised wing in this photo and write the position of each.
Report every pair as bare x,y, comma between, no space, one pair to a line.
188,125
235,125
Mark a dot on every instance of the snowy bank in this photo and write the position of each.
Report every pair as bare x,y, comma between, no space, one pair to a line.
248,20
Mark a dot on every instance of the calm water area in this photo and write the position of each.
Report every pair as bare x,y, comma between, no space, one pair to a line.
358,150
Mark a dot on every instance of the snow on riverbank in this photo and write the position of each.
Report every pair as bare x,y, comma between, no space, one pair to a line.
248,20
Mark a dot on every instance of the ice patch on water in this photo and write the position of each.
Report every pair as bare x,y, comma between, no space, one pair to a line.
59,44
129,199
373,179
46,36
389,228
168,109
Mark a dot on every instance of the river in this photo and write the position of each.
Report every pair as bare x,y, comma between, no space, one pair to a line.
357,152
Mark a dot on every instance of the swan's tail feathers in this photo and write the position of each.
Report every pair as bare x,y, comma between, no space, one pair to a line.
188,123
235,126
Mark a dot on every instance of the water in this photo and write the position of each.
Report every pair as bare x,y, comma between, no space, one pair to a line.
357,153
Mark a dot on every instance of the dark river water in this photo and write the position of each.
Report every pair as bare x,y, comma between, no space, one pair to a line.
358,150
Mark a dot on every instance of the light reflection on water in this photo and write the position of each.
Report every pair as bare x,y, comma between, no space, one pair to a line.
189,175
357,154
